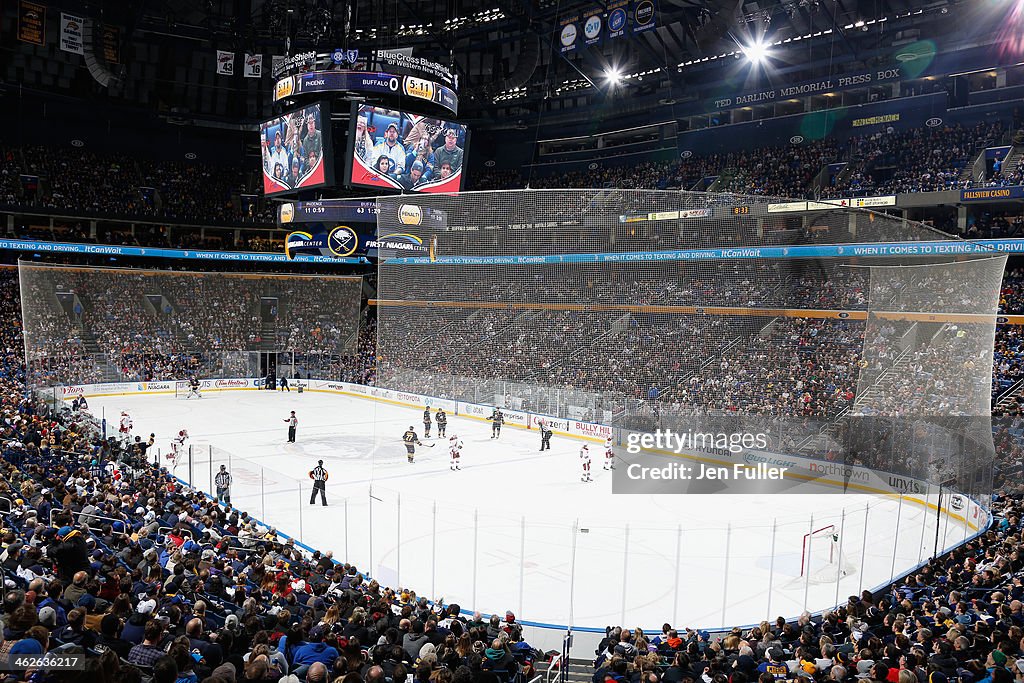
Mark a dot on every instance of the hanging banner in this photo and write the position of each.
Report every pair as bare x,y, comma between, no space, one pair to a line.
110,41
253,67
277,63
618,18
225,63
593,27
31,22
568,33
71,34
645,14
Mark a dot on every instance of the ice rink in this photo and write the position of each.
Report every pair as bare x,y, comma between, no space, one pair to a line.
516,529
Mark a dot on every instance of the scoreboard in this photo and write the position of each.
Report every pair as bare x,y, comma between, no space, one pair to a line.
328,211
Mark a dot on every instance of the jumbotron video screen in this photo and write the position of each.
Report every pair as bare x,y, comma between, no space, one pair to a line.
405,151
296,150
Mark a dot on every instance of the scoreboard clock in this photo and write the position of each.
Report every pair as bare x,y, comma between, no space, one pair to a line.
740,210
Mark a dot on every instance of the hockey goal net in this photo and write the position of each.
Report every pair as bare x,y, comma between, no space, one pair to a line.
181,389
822,559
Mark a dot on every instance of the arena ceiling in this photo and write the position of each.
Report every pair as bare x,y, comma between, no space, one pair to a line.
503,50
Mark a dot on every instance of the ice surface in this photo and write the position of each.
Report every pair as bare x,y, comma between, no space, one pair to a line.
500,533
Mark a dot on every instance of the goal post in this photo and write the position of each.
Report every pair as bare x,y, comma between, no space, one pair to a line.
821,558
181,389
818,539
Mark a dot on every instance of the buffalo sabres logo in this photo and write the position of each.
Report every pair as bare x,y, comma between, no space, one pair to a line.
342,241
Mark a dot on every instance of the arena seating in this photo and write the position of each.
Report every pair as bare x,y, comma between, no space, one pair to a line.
152,581
914,160
203,324
886,162
81,182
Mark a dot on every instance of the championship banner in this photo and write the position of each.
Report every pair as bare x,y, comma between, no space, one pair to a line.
225,63
71,34
568,33
253,66
618,19
31,22
110,41
645,15
593,27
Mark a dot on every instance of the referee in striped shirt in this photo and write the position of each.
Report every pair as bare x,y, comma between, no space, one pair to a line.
319,476
223,483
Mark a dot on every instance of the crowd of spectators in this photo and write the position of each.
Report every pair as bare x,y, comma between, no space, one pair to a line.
316,314
10,175
192,192
779,171
154,581
105,556
89,325
994,225
110,559
885,162
1001,175
913,160
81,181
689,362
74,180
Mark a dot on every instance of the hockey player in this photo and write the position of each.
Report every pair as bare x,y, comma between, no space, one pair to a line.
609,454
411,442
585,462
497,419
455,450
177,447
426,423
125,428
193,388
442,422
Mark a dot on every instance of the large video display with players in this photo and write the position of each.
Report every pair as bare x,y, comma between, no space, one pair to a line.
297,150
404,151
